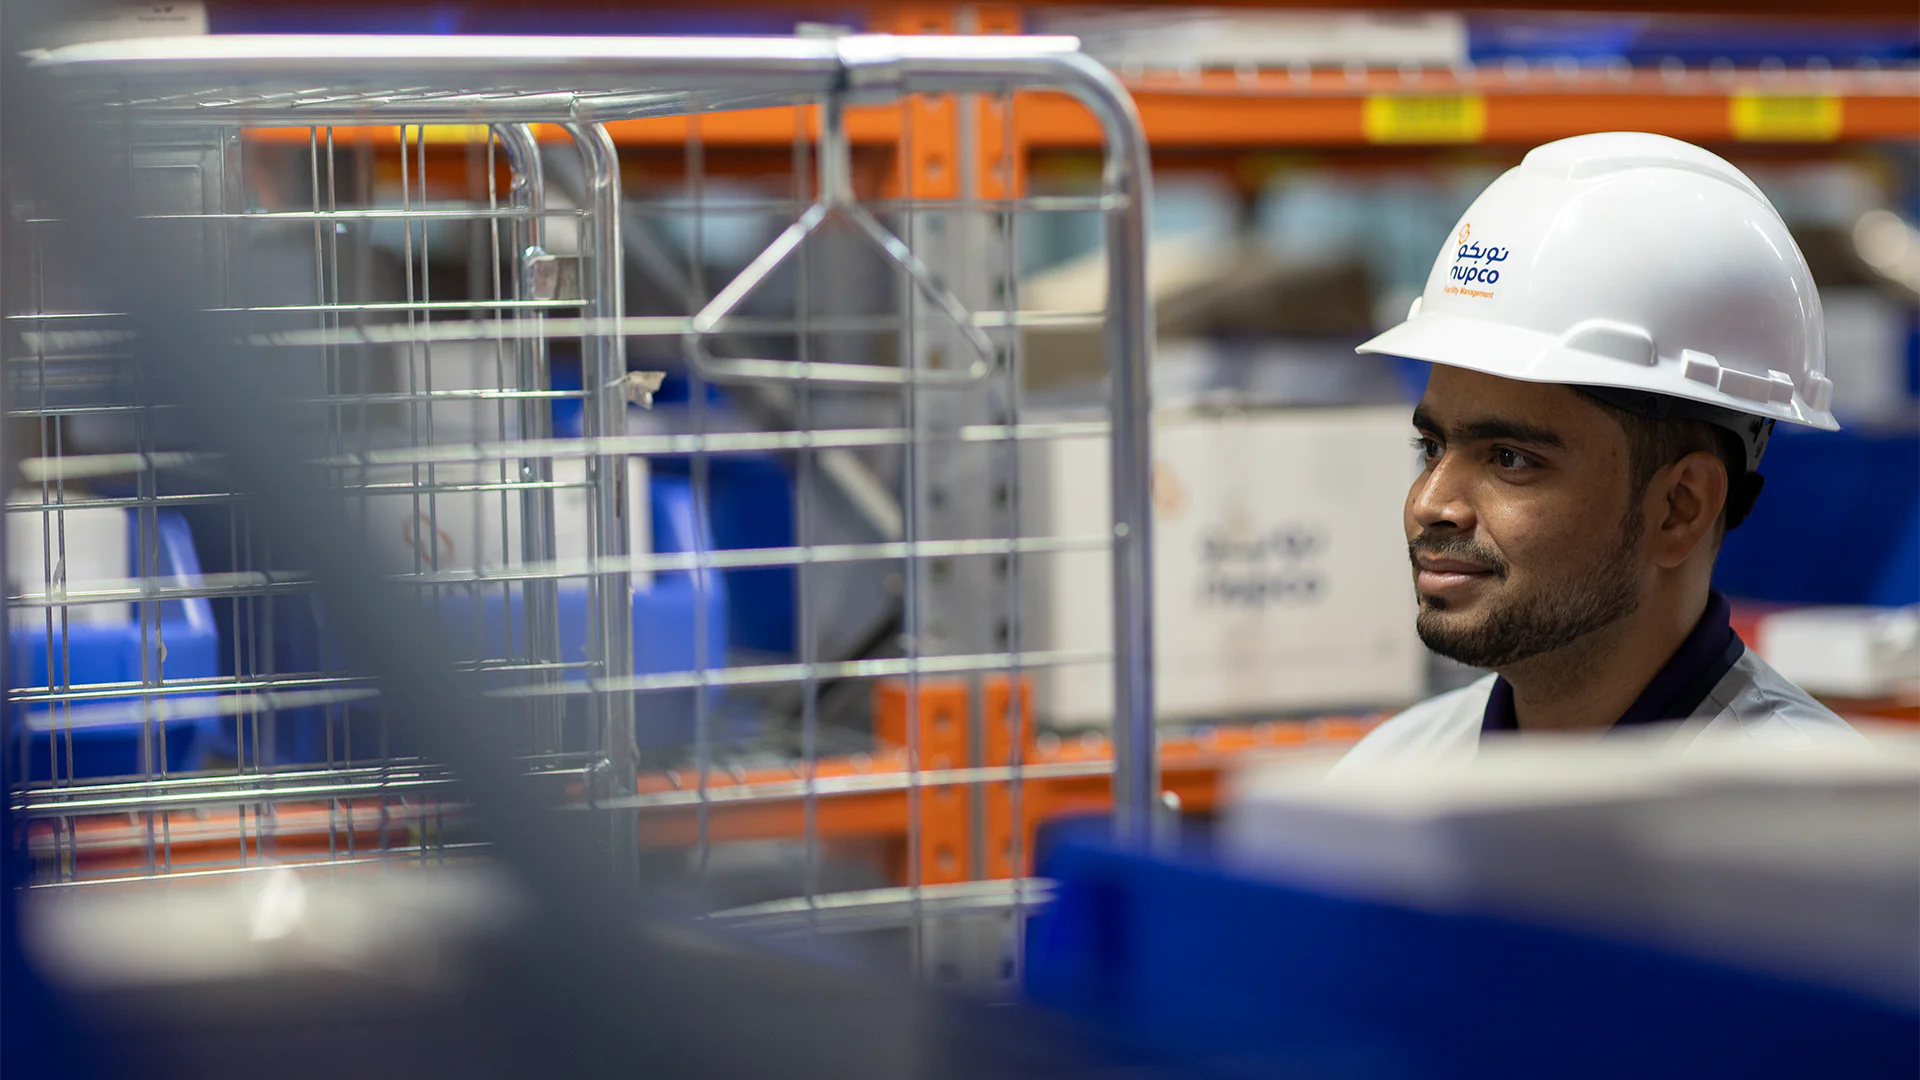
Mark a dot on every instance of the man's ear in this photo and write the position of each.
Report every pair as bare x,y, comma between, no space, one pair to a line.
1685,501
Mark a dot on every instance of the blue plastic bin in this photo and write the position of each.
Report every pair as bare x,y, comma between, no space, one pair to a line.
1838,522
668,624
1230,976
108,737
1648,40
750,498
750,504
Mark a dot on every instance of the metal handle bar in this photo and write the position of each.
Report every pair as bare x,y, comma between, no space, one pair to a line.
835,203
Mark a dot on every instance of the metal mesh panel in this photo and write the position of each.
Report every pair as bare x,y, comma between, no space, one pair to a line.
208,656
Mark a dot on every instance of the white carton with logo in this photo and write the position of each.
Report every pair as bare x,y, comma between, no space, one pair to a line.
1280,568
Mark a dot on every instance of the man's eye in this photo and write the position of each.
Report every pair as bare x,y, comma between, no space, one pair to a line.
1429,448
1510,459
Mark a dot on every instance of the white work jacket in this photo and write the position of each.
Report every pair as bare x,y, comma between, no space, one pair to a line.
1714,686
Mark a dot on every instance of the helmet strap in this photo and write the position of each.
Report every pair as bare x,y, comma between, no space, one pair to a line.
1741,497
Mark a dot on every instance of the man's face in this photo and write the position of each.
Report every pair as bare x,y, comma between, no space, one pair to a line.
1524,532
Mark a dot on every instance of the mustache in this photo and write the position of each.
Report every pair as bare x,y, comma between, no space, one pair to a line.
1455,547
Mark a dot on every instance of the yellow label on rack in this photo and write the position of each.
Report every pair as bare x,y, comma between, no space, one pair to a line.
446,133
1775,118
1455,118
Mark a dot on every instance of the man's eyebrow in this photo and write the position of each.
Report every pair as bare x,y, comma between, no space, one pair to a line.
1490,429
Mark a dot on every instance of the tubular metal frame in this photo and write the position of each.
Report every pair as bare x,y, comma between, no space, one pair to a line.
179,88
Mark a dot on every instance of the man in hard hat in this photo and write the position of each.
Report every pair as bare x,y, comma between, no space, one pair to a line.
1615,327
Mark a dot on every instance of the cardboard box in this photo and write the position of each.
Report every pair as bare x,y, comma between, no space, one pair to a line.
1202,288
1204,37
1280,568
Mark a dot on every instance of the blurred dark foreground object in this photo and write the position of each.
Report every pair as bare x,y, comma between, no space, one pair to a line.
422,973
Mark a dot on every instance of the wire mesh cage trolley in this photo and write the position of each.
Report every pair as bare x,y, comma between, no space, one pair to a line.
777,629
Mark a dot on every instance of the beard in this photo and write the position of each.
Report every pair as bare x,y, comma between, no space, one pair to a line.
1549,616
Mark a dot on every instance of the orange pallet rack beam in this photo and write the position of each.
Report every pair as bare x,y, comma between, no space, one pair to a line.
1275,110
871,797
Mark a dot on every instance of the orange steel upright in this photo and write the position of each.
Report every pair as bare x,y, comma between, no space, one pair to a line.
929,157
1008,817
931,722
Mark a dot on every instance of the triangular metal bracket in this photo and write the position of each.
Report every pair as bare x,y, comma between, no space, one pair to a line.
835,202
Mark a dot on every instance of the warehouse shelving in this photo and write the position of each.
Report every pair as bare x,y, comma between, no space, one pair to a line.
915,148
1514,102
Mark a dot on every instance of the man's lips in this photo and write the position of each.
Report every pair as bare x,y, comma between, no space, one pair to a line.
1451,566
1437,575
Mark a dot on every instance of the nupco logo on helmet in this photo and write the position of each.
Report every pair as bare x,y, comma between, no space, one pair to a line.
1474,263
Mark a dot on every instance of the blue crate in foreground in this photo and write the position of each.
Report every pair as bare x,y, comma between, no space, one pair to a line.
1230,976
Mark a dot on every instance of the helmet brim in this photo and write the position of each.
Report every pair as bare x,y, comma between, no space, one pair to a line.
1512,352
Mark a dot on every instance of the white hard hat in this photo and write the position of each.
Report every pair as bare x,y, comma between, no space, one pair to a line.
1637,267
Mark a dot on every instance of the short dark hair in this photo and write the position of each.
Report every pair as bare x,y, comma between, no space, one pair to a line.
1653,444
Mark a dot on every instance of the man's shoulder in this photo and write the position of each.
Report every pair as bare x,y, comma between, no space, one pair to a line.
1763,704
1438,728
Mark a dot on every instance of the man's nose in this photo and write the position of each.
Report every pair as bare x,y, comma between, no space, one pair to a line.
1440,497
